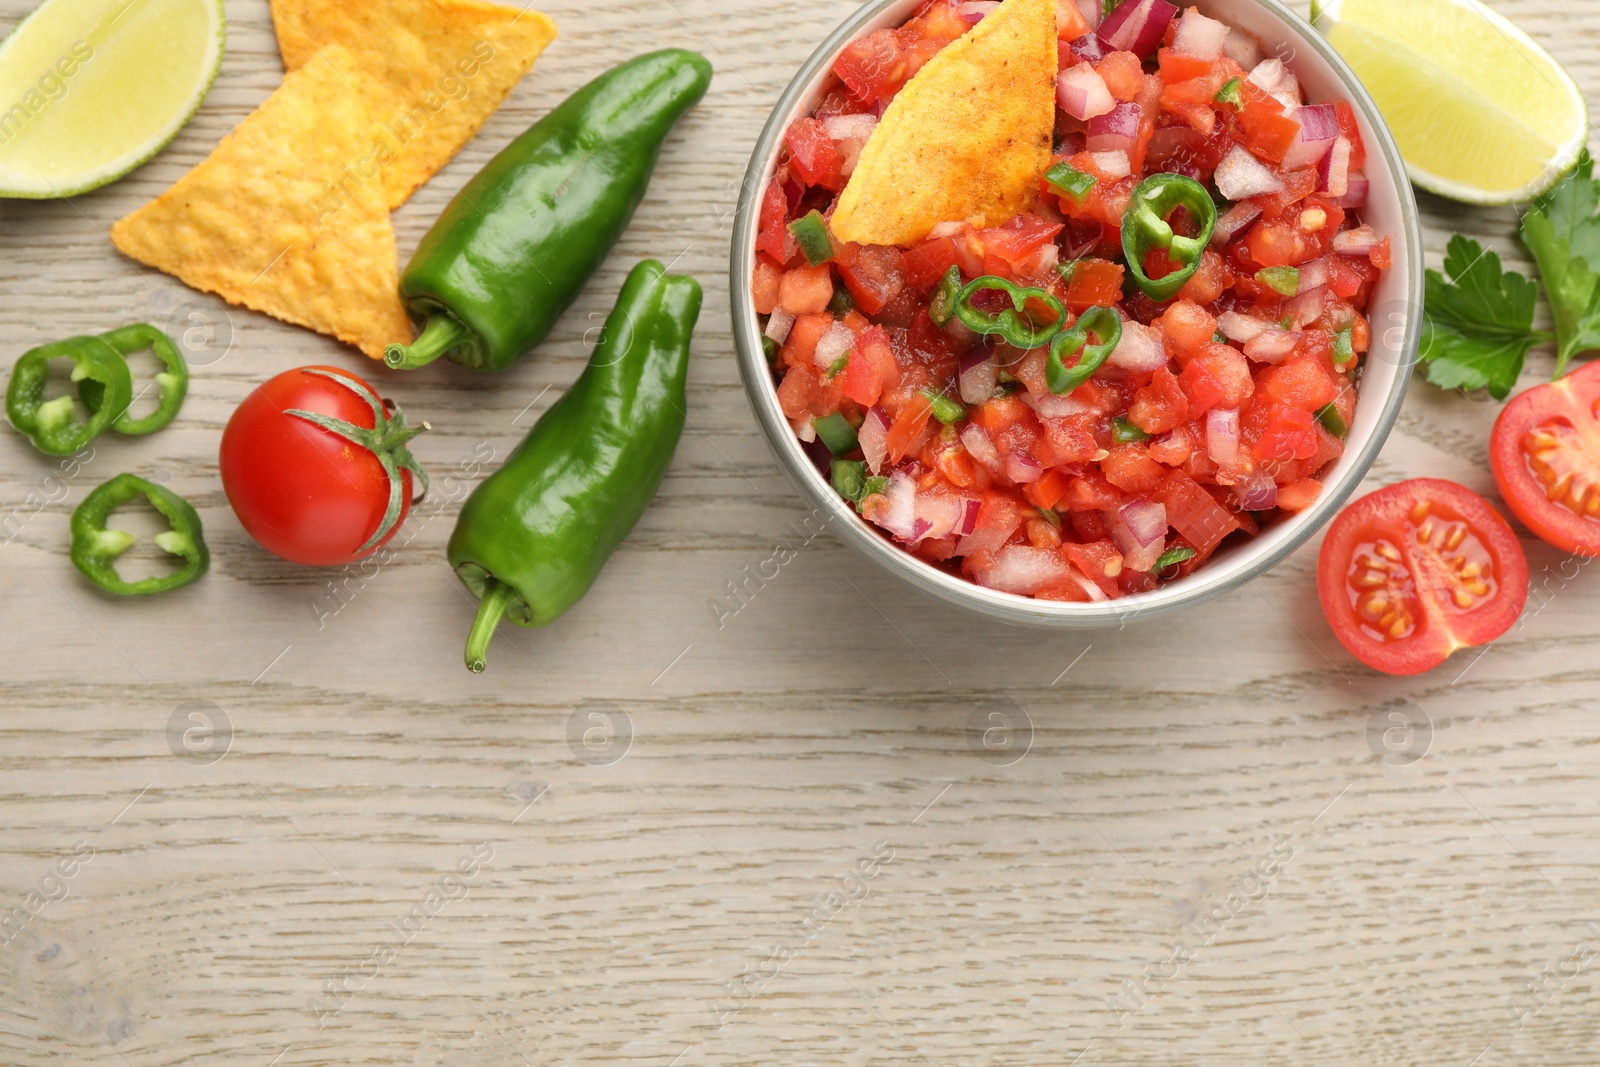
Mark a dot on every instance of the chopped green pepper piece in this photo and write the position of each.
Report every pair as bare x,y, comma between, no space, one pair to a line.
1052,516
95,547
1219,338
1231,94
173,381
1070,182
841,303
850,479
1343,350
945,410
836,433
942,308
1099,322
770,347
877,484
1331,420
1145,229
1013,324
838,365
812,233
1124,431
1174,556
1285,281
53,425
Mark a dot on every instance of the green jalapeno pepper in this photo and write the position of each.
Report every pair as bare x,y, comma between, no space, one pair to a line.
95,548
531,539
1145,229
518,242
173,381
942,307
1101,322
1011,324
53,425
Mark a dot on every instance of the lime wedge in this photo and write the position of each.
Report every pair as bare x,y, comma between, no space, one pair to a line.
90,89
1481,113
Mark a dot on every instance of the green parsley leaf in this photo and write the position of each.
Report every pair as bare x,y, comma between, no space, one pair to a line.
1478,326
1563,233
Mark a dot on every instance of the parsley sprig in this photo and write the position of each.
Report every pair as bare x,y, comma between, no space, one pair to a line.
1478,321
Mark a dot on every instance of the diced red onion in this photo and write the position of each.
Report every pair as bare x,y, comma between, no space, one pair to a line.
1272,346
1081,92
835,342
900,516
1089,48
1235,219
803,429
979,375
1356,195
1257,491
1357,242
849,134
1242,328
1241,175
1117,130
1333,173
1288,91
979,447
1050,406
937,516
969,517
1314,274
1090,587
1307,306
1024,569
1137,26
1222,435
1267,75
946,229
1319,128
1140,350
779,325
1199,36
1023,469
1114,164
1092,11
874,438
972,11
1242,48
1140,533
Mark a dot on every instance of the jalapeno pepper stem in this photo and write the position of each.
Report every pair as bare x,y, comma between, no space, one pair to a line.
440,334
497,598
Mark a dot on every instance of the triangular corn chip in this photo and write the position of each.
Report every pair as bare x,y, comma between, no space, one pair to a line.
966,139
282,218
440,68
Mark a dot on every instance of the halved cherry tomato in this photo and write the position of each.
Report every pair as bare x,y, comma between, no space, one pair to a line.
1417,570
1545,455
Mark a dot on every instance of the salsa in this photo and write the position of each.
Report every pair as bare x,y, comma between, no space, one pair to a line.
1158,356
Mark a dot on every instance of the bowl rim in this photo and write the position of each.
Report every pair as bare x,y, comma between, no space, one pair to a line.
1013,608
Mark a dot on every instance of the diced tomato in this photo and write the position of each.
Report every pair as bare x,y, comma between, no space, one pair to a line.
927,263
1068,440
1209,280
1194,513
1159,406
1095,283
1297,185
1100,562
1018,239
764,284
872,369
1187,327
1176,445
999,515
1297,496
908,425
872,67
805,290
1352,133
1279,244
1130,468
874,274
1123,74
1289,434
1000,414
1047,491
1201,387
951,460
1383,256
1089,525
1268,130
1090,492
1070,22
1176,67
1305,380
800,349
813,156
796,390
775,239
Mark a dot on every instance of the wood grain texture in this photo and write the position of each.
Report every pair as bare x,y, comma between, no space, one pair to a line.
789,849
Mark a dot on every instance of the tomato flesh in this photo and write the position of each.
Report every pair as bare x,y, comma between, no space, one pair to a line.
1413,572
1545,454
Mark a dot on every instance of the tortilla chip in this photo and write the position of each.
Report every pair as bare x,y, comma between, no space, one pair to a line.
283,216
966,139
441,68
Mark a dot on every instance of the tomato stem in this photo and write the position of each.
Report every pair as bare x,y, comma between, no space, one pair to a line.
497,597
440,334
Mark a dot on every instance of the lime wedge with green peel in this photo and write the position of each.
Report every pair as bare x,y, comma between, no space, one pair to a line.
1481,113
90,89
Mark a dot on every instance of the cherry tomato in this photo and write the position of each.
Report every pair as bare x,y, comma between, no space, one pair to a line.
316,467
1415,571
1545,455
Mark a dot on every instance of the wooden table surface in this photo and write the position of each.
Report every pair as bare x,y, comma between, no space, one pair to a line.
271,820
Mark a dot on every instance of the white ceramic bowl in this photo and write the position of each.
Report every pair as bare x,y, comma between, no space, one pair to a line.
1395,314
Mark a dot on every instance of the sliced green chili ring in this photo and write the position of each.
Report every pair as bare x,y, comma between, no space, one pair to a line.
812,233
1123,431
53,425
172,380
1011,324
95,547
943,306
1101,322
1285,281
1343,350
1145,229
849,479
836,433
841,303
1173,556
945,410
1331,420
1070,182
1231,94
